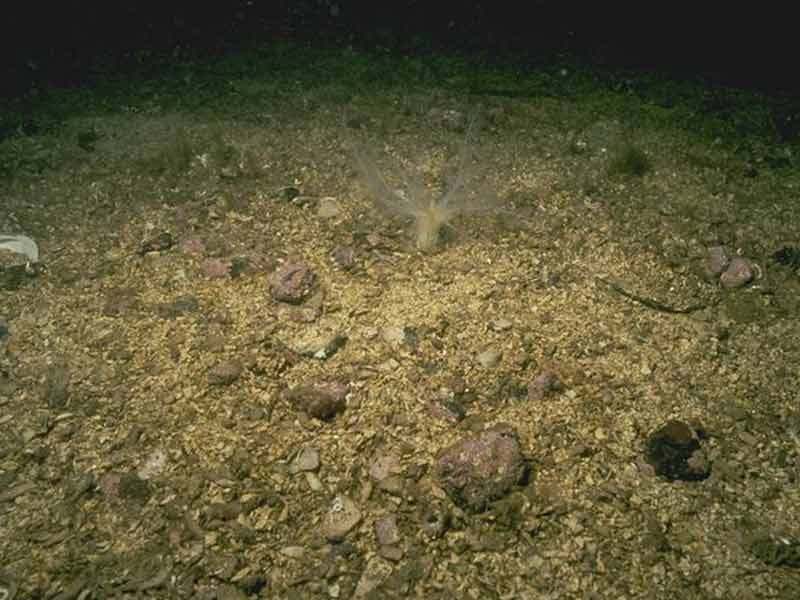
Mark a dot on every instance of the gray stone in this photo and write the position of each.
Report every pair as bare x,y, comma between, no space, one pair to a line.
327,208
489,359
318,342
500,324
342,516
375,573
384,465
306,460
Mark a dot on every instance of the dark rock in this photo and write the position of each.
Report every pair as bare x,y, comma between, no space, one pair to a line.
434,519
80,486
180,306
543,385
775,551
341,550
447,410
223,511
292,283
253,584
788,256
13,277
290,193
120,301
675,454
7,386
321,401
344,257
228,592
225,373
119,487
132,487
163,241
240,265
56,387
481,468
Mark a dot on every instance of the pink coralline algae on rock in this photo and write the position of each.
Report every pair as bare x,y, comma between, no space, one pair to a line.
216,268
386,530
193,246
292,283
544,384
481,468
344,257
738,274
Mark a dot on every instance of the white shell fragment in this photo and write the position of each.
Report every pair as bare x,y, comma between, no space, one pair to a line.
21,244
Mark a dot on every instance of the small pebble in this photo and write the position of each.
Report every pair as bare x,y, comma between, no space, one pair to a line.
327,208
295,552
292,283
341,518
384,465
225,373
386,530
500,324
216,268
489,359
306,460
544,384
314,483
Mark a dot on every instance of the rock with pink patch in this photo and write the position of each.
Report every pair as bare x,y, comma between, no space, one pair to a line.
193,246
738,274
544,384
292,283
216,268
481,468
